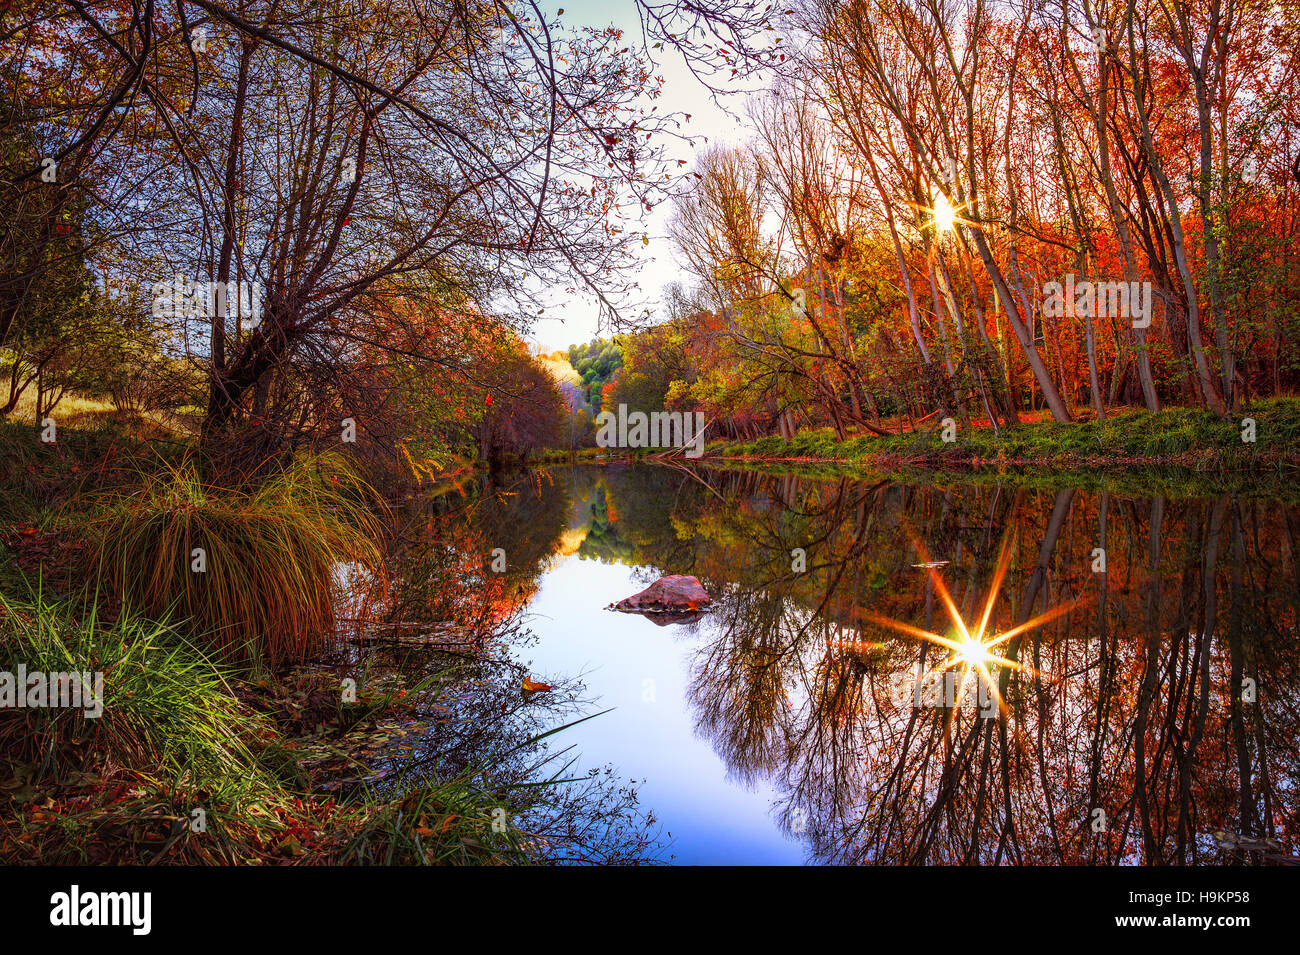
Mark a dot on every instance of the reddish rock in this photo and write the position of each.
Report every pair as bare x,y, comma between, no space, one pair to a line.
672,594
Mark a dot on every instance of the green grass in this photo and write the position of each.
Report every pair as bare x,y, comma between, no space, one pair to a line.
454,822
164,705
563,456
1178,436
175,734
171,735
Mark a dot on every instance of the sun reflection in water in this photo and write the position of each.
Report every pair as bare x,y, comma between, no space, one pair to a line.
973,652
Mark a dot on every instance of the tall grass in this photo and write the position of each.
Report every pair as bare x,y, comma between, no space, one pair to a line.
174,734
252,570
452,822
168,714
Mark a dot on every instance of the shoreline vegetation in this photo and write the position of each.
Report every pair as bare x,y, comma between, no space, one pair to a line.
1176,438
219,746
298,700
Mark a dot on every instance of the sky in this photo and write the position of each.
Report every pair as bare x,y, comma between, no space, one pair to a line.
576,315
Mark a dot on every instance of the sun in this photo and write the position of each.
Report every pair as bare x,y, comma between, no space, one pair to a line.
945,216
972,653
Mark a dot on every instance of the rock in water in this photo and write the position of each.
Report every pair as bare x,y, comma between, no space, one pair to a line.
672,594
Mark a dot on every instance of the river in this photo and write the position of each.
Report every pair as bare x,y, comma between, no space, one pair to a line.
1130,698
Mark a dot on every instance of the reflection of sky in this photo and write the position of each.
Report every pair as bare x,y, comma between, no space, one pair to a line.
678,775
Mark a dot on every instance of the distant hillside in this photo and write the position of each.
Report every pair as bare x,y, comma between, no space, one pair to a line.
570,382
596,364
557,363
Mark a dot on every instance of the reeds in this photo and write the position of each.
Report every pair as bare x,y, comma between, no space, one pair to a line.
251,570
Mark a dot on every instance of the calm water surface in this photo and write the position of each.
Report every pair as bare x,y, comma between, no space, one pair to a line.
1149,717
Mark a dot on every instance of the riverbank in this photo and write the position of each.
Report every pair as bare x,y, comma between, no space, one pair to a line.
298,690
1263,437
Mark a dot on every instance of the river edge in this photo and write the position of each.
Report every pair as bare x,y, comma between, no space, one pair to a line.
1261,442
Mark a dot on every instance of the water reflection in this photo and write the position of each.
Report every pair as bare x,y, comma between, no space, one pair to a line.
1149,716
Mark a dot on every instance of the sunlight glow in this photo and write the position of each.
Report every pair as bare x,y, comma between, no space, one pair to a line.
945,216
973,653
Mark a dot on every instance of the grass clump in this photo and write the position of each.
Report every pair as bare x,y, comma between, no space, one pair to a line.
163,704
452,822
173,736
169,736
252,570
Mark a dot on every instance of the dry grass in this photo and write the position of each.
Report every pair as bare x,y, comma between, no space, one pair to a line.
93,414
71,410
252,571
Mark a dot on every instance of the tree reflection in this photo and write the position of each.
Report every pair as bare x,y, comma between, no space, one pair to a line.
1156,713
1125,739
